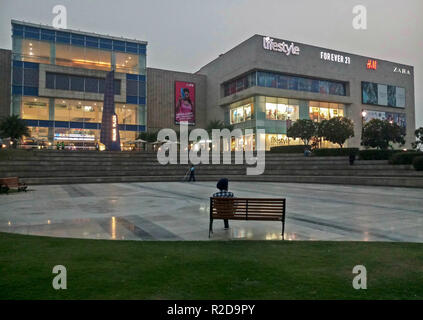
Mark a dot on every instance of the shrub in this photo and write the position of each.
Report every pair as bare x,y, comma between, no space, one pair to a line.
334,152
377,154
418,163
288,149
405,157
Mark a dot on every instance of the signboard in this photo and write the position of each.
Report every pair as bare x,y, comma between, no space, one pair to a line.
371,64
288,49
184,102
334,57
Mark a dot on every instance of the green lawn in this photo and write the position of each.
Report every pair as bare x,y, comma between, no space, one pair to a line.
100,269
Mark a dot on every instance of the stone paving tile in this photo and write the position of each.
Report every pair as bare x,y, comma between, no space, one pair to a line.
180,211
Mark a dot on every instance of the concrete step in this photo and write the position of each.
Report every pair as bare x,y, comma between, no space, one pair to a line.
371,181
212,171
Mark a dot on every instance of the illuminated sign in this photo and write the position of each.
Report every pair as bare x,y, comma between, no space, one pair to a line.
327,56
371,64
288,49
402,70
114,127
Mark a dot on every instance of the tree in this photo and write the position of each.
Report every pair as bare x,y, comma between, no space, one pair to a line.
15,128
148,136
304,129
217,124
419,136
336,130
381,133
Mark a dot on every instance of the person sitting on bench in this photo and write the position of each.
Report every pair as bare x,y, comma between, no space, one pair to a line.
222,185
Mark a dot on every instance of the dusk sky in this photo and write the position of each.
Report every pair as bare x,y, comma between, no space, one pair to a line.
185,35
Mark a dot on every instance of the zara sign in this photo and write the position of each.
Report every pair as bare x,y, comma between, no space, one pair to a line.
288,49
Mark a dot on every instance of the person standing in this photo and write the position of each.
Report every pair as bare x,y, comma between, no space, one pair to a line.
222,185
192,173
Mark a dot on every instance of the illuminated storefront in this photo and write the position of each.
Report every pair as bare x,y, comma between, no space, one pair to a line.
58,83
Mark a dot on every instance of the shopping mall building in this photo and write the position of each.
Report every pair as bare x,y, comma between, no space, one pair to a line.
56,83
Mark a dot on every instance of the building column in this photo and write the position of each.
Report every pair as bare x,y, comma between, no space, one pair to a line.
16,105
51,118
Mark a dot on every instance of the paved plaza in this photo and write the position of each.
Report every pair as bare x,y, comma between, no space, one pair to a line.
180,211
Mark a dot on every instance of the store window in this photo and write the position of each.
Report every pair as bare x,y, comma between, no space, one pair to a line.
320,111
127,113
281,109
241,111
78,110
34,108
277,140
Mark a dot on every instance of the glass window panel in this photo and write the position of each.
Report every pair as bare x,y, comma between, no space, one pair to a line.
61,110
293,83
314,114
101,85
91,85
141,89
17,76
127,63
31,77
324,114
34,108
131,88
50,80
392,96
62,82
36,51
116,86
76,111
77,83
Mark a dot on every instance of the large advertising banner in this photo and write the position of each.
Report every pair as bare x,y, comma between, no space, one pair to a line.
184,102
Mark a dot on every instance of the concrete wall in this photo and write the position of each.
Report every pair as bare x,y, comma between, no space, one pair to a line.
251,55
5,81
161,98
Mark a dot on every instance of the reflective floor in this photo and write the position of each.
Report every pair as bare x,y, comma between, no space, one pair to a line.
180,211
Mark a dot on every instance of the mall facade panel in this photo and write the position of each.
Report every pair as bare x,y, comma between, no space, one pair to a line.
5,74
164,93
58,83
268,83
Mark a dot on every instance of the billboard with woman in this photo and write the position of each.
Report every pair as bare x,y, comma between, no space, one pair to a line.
184,102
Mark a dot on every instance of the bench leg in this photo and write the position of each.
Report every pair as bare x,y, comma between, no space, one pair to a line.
283,230
211,227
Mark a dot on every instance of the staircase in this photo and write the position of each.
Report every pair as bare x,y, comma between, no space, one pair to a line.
64,167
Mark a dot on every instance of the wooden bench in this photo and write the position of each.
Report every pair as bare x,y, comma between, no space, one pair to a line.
247,209
12,182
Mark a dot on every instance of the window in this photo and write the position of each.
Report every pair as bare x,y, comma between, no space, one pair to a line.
34,108
81,57
35,51
127,63
319,111
78,83
281,81
78,110
241,111
281,109
383,95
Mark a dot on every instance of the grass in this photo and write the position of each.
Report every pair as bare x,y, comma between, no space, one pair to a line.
101,269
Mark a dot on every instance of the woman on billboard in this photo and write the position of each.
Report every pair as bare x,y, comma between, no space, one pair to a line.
184,107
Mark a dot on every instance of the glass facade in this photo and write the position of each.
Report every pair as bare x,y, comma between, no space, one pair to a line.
75,120
242,111
284,81
383,95
282,109
275,115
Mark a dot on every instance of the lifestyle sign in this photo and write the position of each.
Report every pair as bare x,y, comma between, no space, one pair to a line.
288,49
